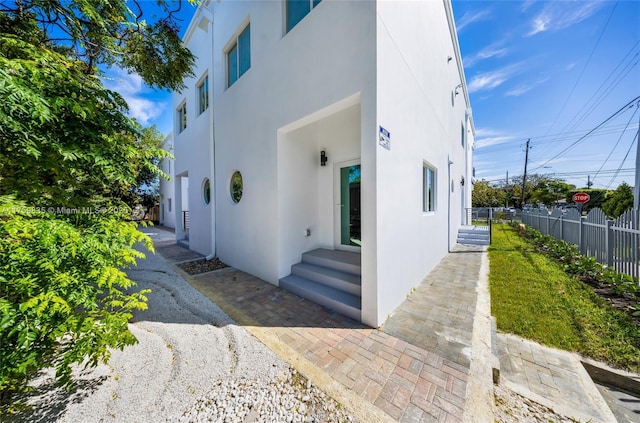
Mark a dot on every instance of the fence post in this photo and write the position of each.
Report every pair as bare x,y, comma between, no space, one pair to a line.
608,239
561,229
548,223
580,237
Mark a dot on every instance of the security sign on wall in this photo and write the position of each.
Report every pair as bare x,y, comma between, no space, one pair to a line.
384,138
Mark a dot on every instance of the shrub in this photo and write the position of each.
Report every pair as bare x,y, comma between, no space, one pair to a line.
64,297
585,268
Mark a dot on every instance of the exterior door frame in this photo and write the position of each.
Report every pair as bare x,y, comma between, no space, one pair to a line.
337,212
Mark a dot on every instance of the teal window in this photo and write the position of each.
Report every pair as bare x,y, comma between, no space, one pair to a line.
239,56
182,117
428,188
203,94
206,191
298,9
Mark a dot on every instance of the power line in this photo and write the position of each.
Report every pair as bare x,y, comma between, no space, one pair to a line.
590,132
584,68
616,145
623,160
608,90
553,138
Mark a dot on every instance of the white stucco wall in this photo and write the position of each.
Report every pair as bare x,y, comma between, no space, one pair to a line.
345,69
167,187
193,145
327,58
417,105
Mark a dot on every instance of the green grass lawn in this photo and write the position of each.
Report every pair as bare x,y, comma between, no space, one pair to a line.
531,296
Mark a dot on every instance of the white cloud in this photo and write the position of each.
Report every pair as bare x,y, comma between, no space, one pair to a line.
489,141
469,18
557,15
492,79
131,87
524,88
493,50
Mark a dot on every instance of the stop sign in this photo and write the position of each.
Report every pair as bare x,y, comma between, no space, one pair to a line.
581,197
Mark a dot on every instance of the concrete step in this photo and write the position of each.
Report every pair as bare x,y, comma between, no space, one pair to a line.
473,241
473,236
346,282
344,261
473,229
334,299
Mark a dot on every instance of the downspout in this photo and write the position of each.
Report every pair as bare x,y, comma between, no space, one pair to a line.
209,15
449,203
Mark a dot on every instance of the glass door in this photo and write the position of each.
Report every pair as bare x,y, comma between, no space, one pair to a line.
349,177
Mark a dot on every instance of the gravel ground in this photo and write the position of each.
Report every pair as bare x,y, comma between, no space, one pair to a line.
514,408
202,266
192,364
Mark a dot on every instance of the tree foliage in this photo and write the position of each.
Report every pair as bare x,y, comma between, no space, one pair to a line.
64,138
64,295
618,201
69,155
539,189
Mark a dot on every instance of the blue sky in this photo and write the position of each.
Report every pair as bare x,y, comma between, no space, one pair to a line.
546,70
552,71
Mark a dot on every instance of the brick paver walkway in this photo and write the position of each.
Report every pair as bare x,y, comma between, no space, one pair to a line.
406,381
438,316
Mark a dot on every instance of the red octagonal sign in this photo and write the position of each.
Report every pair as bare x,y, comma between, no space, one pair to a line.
581,197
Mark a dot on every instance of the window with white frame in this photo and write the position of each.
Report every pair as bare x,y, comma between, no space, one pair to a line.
239,56
297,10
203,94
182,117
428,188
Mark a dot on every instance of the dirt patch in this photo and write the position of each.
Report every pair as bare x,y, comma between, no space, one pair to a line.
622,301
202,266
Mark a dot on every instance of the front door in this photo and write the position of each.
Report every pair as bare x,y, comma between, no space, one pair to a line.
347,193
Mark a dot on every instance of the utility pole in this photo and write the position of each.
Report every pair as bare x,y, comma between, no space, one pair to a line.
524,178
506,191
589,183
636,189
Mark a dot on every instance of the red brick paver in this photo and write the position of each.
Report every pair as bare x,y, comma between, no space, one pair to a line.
405,381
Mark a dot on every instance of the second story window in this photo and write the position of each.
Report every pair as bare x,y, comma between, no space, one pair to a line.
298,9
182,117
203,94
239,56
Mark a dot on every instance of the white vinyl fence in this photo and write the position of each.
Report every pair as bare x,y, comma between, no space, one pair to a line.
611,242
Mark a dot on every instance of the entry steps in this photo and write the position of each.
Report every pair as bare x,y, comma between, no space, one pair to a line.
331,278
474,235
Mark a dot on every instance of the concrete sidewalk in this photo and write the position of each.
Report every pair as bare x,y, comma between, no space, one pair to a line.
551,377
429,362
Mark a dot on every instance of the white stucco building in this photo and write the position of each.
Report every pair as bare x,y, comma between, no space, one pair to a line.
331,125
167,190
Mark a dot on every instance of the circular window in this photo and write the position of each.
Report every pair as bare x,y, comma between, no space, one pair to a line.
236,186
206,191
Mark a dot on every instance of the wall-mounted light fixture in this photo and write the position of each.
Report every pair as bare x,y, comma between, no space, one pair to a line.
462,181
457,88
449,58
323,158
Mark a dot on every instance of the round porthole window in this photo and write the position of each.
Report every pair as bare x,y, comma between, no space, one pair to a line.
236,186
206,191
